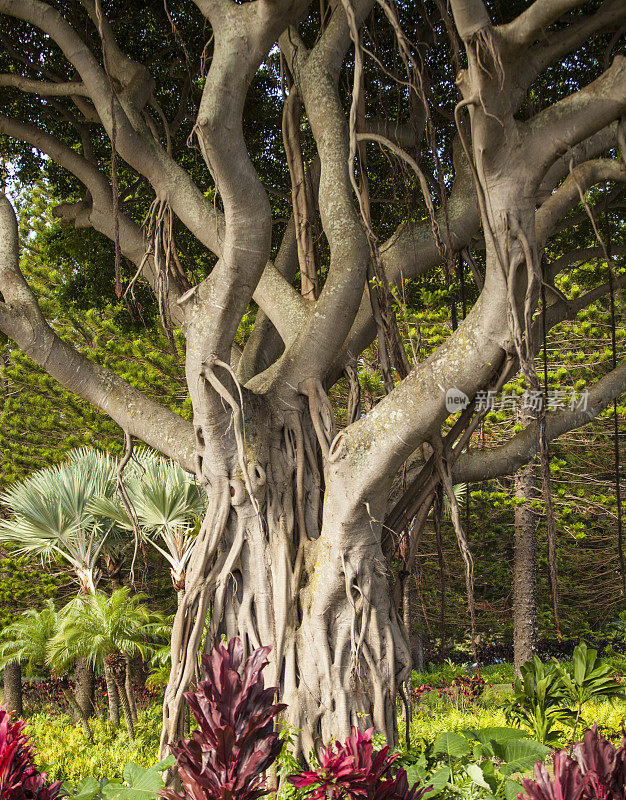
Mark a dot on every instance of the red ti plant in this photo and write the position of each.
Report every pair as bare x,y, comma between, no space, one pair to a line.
235,742
355,770
19,777
597,772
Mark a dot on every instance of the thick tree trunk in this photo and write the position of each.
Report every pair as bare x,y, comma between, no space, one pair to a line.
318,594
112,696
84,686
13,689
524,569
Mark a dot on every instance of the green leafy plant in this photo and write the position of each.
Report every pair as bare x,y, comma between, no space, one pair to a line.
25,641
588,678
479,760
139,783
105,630
539,701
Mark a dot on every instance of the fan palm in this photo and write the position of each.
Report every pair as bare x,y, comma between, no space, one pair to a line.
51,517
167,504
105,630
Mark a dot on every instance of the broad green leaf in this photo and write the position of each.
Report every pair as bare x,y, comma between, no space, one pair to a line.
511,788
520,755
438,781
86,789
145,784
452,745
476,774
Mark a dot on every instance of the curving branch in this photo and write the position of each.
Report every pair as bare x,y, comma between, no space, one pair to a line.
474,466
43,88
580,115
567,196
22,321
531,23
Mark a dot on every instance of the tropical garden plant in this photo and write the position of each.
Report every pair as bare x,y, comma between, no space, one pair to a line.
19,777
588,677
236,741
597,771
51,518
539,701
25,641
356,770
167,504
106,630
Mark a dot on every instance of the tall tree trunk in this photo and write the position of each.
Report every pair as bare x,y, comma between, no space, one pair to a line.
78,716
112,696
84,686
13,689
116,664
524,568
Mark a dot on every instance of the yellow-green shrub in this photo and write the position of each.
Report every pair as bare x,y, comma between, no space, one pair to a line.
64,751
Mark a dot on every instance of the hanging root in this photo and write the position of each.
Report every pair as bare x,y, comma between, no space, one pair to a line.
130,509
446,479
486,50
300,196
353,411
321,413
238,420
158,231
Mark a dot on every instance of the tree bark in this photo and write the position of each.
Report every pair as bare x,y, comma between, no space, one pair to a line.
78,716
116,665
84,686
112,695
524,569
13,689
318,595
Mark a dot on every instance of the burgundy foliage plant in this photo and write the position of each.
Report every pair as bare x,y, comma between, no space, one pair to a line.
235,742
355,770
597,772
19,777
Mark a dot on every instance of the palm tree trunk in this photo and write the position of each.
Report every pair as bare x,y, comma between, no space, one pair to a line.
128,688
78,713
116,663
13,689
84,684
113,696
128,717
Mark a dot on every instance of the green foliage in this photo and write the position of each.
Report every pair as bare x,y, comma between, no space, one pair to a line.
26,640
95,626
25,585
139,783
64,751
538,701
